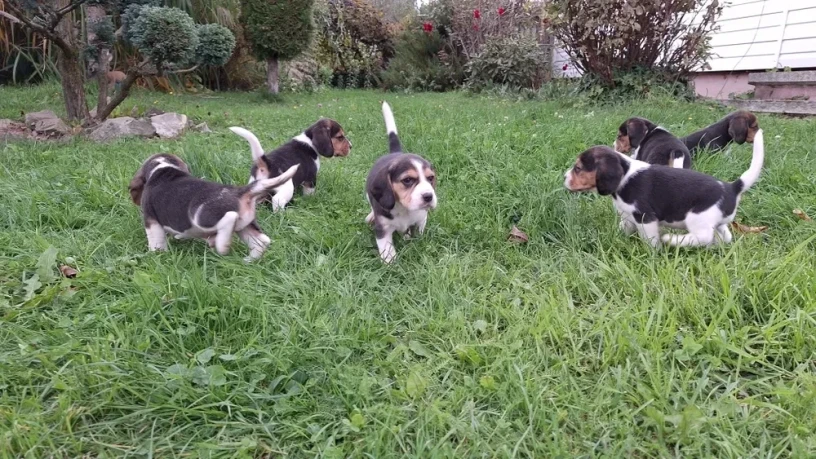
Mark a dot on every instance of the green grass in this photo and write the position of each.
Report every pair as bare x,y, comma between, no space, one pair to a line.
581,342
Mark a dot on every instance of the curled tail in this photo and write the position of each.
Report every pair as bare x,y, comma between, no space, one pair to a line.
749,177
394,145
254,143
260,187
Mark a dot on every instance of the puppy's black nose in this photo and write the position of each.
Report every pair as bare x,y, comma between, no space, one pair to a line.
427,197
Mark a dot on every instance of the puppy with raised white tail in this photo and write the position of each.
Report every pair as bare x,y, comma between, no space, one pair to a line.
401,189
648,196
324,138
173,201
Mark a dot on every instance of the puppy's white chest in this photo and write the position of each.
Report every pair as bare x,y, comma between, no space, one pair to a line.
406,219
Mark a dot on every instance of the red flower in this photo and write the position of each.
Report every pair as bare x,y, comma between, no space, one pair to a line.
427,27
475,26
565,67
502,11
477,14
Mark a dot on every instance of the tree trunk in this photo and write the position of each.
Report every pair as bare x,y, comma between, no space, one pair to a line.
100,66
272,75
72,74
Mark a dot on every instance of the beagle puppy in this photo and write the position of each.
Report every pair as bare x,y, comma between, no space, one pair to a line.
739,127
401,189
324,138
650,143
648,196
173,201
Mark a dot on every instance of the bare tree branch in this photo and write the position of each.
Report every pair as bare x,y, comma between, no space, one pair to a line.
48,33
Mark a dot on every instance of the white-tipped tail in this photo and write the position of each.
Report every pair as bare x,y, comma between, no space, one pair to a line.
260,186
390,124
254,143
750,176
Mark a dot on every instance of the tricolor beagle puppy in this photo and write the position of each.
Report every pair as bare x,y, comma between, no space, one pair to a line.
401,189
739,127
175,202
648,196
650,143
324,138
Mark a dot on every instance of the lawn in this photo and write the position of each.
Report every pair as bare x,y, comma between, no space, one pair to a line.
581,342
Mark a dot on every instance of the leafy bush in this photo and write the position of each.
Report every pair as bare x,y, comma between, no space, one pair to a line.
278,29
165,35
609,38
494,42
215,45
424,61
515,63
353,42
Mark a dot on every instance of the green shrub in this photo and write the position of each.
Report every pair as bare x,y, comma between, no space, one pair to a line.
215,45
611,38
424,61
353,42
514,63
165,35
278,29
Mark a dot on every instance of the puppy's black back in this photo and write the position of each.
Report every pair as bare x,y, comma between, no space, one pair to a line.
172,196
290,154
669,193
662,147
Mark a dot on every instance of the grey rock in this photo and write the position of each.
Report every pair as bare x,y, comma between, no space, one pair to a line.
125,126
169,125
51,127
31,119
203,128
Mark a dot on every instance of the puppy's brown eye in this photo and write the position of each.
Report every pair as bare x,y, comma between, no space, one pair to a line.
576,169
408,182
431,178
340,137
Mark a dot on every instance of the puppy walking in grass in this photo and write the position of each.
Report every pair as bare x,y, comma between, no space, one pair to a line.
648,197
173,201
401,189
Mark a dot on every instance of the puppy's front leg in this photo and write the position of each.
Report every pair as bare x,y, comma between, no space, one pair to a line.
385,244
255,239
650,232
156,238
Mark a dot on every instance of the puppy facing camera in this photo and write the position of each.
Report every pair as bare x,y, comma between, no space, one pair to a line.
401,189
175,202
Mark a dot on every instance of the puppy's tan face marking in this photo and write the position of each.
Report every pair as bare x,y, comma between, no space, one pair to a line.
579,178
340,143
753,127
404,185
622,143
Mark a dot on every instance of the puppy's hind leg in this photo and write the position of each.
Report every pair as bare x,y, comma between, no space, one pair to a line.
225,228
156,237
255,239
283,194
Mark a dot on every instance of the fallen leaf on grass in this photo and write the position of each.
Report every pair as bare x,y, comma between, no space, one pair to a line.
517,235
801,214
740,228
68,271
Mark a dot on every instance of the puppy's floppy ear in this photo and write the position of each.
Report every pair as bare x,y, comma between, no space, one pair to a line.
382,191
608,174
738,128
137,186
636,130
320,135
